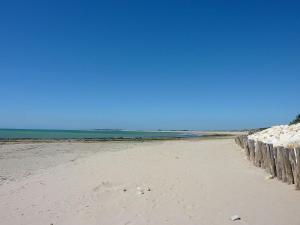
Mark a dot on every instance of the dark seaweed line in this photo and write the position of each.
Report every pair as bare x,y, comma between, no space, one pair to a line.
90,139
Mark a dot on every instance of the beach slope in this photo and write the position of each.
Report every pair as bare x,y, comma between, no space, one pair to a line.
168,182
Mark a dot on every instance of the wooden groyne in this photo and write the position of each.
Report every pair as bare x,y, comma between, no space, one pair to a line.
280,162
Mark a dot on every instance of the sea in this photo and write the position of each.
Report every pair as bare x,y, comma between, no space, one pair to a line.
106,134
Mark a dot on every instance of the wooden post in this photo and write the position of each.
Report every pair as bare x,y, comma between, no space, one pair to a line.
264,156
252,150
237,141
287,166
279,163
247,149
275,159
241,141
284,175
292,159
297,169
271,157
268,158
258,154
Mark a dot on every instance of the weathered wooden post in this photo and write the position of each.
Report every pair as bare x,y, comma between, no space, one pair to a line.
240,139
292,159
268,158
271,159
297,169
281,160
252,150
287,166
246,147
275,159
258,154
279,163
264,156
237,140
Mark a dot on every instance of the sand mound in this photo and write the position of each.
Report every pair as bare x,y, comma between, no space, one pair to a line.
283,135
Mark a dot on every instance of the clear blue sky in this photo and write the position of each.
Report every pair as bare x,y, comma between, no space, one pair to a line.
149,64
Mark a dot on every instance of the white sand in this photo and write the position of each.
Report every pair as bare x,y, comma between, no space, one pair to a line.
189,182
24,159
283,135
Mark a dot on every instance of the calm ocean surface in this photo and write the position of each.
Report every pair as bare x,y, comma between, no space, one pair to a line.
88,134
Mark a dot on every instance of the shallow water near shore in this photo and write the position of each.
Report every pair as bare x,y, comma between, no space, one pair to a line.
14,134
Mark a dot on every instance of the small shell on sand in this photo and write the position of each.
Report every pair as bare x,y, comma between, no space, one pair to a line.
141,192
235,217
269,177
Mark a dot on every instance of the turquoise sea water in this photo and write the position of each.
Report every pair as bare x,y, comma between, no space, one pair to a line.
10,134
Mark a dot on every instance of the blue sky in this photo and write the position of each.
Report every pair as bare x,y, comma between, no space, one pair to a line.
149,64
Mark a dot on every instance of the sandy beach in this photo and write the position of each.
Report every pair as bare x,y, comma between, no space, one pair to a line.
144,183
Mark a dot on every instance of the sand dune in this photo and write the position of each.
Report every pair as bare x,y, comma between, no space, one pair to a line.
167,182
283,135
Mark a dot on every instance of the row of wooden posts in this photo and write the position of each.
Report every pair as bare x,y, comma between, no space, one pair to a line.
282,163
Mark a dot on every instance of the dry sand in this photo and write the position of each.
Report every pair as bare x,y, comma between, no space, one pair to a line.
168,182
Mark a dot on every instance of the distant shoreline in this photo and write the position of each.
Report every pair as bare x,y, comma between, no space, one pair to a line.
29,136
95,140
